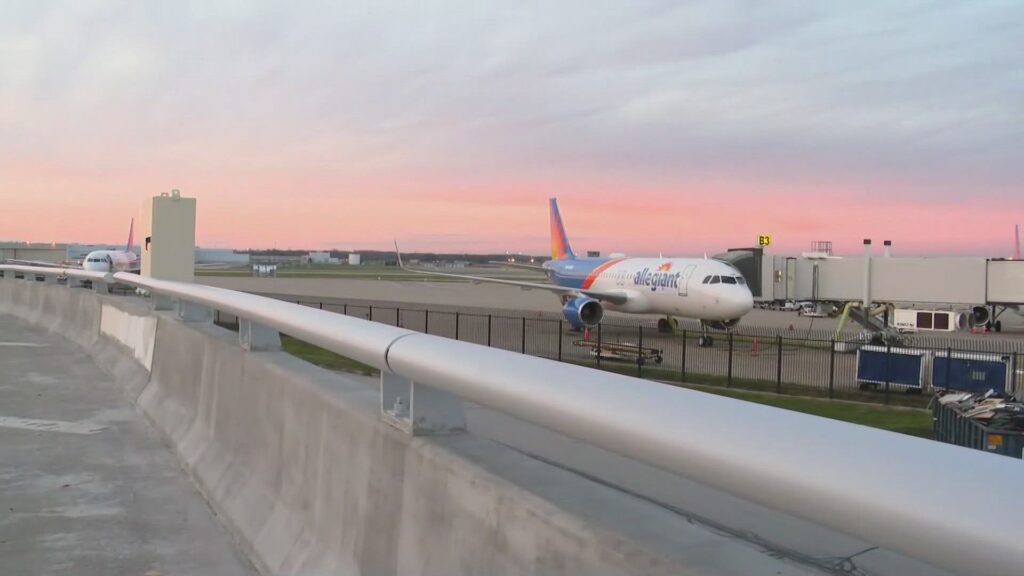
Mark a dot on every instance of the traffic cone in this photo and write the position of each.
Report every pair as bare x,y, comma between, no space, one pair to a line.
791,327
755,349
586,334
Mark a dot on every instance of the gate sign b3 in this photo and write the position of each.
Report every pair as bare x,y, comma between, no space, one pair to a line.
764,240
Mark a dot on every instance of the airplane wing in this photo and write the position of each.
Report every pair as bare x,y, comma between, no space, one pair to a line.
614,297
518,265
35,263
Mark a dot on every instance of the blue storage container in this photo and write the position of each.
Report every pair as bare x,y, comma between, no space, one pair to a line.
899,367
971,372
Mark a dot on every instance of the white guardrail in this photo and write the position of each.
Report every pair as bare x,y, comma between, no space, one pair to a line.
952,507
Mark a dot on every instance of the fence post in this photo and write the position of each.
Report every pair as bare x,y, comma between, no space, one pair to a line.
522,347
456,325
832,370
1014,380
398,317
949,362
640,351
560,327
370,315
778,364
682,367
344,308
599,345
426,321
888,353
321,304
728,382
488,330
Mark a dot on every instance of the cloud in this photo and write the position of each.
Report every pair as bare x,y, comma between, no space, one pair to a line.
911,100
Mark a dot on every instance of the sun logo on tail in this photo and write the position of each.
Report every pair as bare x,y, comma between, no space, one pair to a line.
665,267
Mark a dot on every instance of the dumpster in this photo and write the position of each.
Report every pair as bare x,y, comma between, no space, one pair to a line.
989,422
972,372
901,368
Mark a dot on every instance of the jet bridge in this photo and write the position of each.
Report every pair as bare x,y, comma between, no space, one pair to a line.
991,285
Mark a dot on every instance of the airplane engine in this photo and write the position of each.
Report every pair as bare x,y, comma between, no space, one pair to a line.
583,312
979,316
721,324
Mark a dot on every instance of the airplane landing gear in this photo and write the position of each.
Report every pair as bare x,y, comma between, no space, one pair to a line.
705,340
667,325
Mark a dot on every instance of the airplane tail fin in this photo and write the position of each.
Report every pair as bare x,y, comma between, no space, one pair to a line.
560,249
131,236
1016,242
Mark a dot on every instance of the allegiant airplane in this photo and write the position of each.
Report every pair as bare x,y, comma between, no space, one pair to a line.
707,290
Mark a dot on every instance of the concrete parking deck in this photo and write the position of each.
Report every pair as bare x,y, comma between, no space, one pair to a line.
87,486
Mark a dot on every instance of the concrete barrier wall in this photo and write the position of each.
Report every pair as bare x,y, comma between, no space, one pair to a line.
298,465
75,314
136,331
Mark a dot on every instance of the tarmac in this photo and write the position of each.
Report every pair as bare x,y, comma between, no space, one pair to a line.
497,298
87,486
802,363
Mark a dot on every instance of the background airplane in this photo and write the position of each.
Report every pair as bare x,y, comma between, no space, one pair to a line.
707,290
114,260
100,260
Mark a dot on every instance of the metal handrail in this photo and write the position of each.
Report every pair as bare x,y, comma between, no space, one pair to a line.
952,507
67,272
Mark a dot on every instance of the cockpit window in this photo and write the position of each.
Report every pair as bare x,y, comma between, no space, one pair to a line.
741,281
728,279
706,280
715,280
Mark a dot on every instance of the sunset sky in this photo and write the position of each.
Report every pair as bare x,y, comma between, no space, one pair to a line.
676,127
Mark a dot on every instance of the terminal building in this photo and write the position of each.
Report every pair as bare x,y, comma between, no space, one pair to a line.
36,251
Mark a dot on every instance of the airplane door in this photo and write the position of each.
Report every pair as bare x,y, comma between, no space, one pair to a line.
684,280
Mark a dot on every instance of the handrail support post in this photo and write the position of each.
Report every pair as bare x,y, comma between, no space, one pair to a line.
418,409
161,302
254,336
193,312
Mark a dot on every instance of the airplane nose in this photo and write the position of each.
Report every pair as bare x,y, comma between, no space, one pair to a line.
741,303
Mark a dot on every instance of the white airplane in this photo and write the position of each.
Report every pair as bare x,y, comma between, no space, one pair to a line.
102,260
707,290
114,260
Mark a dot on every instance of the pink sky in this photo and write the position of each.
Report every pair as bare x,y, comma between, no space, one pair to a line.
679,129
314,213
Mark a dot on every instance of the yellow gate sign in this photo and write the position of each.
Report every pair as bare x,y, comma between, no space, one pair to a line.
764,240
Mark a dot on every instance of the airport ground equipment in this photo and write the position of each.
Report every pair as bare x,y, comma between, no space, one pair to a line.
972,371
991,423
888,367
913,320
622,351
880,487
915,370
